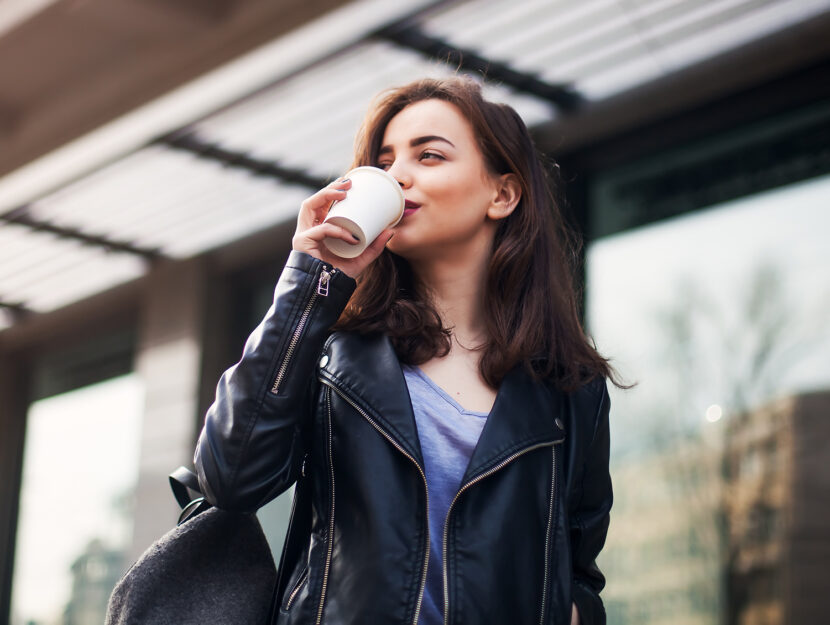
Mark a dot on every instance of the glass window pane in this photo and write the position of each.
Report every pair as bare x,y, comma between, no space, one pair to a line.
721,510
75,525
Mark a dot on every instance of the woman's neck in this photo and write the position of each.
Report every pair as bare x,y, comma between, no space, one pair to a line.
457,291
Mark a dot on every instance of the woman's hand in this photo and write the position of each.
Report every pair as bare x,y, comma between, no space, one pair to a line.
311,231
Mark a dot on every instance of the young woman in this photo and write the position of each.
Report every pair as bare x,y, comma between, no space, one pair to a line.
435,399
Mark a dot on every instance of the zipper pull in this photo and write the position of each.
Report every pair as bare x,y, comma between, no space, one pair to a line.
323,282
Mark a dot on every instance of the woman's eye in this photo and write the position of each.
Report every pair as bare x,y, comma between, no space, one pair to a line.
384,166
431,156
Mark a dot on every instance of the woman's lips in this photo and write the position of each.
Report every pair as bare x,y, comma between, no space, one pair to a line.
410,207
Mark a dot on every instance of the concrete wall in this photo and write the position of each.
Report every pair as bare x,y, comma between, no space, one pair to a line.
169,364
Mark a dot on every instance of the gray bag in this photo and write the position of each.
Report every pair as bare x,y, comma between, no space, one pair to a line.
214,567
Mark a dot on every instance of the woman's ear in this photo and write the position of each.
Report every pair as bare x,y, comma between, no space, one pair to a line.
508,192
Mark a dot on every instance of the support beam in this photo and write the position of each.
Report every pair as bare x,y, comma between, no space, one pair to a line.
787,68
189,142
409,35
17,310
21,216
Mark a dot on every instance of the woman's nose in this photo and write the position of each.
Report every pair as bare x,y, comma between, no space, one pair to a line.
399,173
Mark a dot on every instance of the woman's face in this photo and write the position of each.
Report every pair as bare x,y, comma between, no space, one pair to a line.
430,149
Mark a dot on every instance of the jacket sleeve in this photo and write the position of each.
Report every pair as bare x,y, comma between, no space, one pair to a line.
251,446
589,523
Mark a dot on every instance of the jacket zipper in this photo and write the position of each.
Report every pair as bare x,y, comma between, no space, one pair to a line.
323,291
330,537
547,533
297,588
426,490
477,479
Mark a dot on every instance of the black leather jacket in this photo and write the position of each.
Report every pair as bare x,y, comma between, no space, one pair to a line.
331,412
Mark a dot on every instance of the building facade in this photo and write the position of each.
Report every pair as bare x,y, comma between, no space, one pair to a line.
147,204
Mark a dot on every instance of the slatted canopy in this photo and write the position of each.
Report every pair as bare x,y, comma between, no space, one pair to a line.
246,166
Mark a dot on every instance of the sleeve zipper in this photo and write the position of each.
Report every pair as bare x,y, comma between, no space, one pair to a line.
322,290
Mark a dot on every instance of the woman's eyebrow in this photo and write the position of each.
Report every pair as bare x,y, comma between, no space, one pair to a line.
416,142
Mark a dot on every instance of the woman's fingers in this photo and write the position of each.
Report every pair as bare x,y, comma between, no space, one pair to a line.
326,230
315,208
312,230
311,240
377,246
355,266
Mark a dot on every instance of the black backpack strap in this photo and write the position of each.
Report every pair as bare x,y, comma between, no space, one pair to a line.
182,481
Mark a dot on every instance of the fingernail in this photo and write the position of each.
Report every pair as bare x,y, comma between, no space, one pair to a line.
356,238
345,180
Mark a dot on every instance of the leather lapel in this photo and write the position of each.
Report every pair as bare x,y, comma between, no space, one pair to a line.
526,413
367,370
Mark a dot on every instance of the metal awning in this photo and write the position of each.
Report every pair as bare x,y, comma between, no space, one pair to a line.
222,177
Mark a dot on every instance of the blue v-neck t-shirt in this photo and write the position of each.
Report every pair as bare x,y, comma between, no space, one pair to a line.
448,434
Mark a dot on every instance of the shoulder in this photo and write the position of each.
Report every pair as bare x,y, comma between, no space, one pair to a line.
589,403
595,387
591,392
350,340
366,354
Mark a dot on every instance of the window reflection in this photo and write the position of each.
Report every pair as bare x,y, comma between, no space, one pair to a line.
75,524
719,455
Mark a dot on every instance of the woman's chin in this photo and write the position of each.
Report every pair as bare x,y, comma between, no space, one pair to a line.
400,241
411,251
396,246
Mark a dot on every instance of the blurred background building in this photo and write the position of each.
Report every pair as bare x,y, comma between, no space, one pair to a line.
153,156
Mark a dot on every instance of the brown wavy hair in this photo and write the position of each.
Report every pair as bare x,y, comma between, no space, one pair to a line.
531,299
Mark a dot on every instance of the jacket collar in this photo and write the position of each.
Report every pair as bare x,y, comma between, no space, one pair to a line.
526,413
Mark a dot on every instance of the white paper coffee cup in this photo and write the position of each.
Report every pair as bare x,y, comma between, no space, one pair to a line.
374,202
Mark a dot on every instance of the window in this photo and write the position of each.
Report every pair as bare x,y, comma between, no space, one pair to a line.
726,308
75,523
